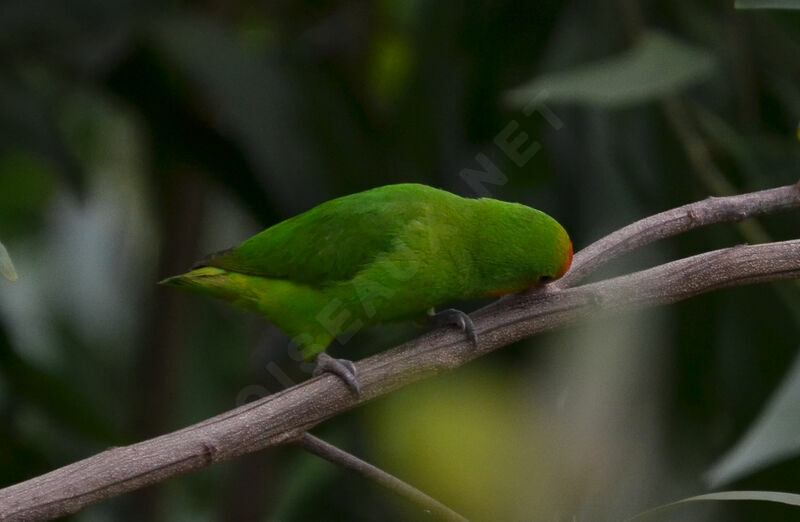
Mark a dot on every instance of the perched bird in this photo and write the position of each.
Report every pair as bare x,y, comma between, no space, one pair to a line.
391,253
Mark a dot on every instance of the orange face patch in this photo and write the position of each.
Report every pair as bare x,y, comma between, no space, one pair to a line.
568,262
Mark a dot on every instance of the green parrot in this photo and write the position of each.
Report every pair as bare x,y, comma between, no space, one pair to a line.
391,253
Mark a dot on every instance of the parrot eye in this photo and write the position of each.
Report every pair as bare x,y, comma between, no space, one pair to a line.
545,279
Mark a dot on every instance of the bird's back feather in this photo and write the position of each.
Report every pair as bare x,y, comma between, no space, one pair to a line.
333,241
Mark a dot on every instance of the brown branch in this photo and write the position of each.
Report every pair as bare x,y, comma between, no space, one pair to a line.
675,221
341,458
287,415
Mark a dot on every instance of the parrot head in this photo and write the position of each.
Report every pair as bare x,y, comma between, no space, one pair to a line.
520,247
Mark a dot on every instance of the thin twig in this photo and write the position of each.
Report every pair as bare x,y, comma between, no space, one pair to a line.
285,416
341,458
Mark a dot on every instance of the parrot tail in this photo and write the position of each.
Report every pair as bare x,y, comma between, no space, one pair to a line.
286,304
206,280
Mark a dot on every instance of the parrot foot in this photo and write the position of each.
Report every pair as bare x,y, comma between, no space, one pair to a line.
451,316
342,368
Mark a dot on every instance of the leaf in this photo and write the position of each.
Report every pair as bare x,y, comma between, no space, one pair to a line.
774,436
6,266
765,496
767,4
656,65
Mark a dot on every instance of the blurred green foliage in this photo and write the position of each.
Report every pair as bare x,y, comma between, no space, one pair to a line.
136,137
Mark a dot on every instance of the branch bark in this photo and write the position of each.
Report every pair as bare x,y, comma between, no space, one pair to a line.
341,458
678,220
287,415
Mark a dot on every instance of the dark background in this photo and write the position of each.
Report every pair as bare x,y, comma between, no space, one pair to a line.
137,137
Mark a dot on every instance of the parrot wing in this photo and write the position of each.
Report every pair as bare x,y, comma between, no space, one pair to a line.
333,241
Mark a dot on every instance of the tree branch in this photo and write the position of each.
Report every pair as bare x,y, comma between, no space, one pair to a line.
678,220
287,415
341,458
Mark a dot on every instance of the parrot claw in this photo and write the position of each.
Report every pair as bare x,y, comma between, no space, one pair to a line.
451,316
342,368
